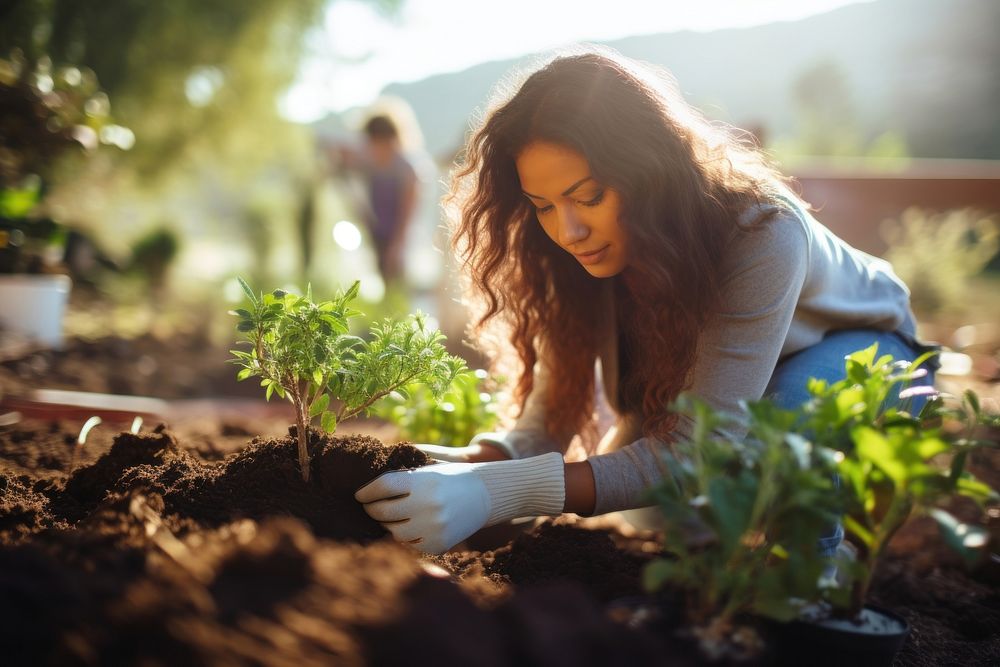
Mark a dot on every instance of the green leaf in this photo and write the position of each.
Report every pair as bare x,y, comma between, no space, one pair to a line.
850,402
852,527
16,203
971,487
657,573
928,447
968,540
873,446
816,386
732,503
781,609
958,465
321,404
856,372
352,292
247,290
245,326
973,400
337,324
865,357
329,422
244,374
919,361
800,448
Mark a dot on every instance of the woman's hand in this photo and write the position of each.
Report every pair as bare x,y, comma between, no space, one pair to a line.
437,506
475,453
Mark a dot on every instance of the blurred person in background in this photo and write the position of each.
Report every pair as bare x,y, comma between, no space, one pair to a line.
609,232
391,191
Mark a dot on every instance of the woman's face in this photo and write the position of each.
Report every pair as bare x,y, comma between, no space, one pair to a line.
580,214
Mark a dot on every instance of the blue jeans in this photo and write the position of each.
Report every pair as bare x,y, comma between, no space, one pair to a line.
825,361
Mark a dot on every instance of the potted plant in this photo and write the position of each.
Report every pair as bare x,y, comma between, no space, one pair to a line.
741,521
893,465
46,114
33,292
303,351
743,516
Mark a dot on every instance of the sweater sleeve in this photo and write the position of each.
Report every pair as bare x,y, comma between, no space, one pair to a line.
529,436
737,351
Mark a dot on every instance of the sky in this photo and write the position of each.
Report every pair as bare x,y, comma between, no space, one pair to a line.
357,51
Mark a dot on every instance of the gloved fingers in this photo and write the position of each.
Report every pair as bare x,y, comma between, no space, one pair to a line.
405,531
445,454
387,485
390,510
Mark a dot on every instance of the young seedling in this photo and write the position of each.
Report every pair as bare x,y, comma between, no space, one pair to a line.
81,440
302,351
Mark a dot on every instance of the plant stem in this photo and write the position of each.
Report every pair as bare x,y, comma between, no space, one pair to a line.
895,516
344,413
302,429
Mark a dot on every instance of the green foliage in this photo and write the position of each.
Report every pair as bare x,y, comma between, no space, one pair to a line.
240,54
743,515
153,253
188,76
742,518
827,117
894,463
303,351
937,254
23,241
462,411
47,114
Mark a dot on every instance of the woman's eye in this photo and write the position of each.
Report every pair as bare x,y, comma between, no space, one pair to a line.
544,209
595,201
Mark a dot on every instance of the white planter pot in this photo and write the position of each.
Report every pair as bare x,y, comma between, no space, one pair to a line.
33,306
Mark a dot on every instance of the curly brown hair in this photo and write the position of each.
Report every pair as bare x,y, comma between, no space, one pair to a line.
684,184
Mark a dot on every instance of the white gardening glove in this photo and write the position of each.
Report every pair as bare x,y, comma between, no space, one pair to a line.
438,506
473,453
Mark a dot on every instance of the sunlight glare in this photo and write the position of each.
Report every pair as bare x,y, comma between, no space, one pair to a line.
347,235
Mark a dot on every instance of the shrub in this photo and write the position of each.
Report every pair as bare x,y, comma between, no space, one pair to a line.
937,254
743,516
463,410
303,352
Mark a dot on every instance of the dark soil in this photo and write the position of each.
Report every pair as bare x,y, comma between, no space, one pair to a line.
183,366
149,552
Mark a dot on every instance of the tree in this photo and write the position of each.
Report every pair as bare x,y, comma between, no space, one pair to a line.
828,122
186,75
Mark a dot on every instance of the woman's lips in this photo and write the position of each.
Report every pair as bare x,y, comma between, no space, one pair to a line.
592,257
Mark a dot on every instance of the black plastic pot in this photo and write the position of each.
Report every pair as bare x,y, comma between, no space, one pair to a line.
872,643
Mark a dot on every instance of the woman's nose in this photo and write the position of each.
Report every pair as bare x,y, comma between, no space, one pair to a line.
571,228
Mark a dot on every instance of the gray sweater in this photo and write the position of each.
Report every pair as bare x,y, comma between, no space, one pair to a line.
788,283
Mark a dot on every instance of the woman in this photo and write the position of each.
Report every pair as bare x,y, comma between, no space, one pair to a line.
601,219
